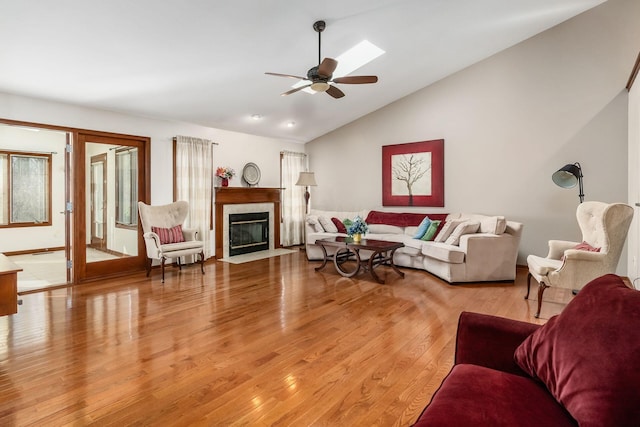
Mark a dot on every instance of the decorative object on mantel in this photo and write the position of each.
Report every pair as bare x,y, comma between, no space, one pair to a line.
357,228
413,174
568,176
251,174
306,179
225,173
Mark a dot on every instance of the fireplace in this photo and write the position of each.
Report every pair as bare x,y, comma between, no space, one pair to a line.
248,232
242,200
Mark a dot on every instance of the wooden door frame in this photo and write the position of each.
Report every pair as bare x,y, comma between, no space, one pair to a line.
100,158
91,271
76,218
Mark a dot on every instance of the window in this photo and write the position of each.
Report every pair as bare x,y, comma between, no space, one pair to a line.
127,187
25,189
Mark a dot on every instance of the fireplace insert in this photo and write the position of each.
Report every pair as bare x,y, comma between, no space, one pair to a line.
248,232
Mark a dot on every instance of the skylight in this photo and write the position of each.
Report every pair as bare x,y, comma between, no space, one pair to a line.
354,58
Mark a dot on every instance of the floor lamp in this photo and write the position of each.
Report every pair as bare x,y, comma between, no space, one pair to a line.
306,180
568,176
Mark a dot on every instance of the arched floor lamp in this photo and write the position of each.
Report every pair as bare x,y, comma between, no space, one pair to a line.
568,176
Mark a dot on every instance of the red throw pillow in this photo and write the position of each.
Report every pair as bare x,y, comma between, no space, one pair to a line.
588,356
584,246
169,235
339,225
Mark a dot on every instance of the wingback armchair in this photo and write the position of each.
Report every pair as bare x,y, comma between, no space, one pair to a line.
164,236
574,264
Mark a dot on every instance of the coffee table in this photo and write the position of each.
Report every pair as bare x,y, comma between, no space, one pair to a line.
348,260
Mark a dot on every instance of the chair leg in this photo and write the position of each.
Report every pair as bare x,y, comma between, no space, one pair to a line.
528,285
202,261
147,266
162,267
541,290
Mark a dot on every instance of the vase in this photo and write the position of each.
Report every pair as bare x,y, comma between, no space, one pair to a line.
357,238
225,182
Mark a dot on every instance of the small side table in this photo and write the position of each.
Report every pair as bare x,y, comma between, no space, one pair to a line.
8,286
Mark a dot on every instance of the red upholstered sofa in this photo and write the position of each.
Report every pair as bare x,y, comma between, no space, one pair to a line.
581,368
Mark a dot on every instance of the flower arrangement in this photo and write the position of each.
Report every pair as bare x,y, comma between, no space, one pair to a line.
225,172
358,226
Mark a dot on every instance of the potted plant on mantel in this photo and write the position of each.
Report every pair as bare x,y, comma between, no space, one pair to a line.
225,173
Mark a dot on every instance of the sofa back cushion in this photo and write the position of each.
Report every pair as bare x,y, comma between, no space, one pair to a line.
588,356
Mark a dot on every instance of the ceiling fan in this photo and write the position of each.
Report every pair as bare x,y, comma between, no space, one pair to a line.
320,77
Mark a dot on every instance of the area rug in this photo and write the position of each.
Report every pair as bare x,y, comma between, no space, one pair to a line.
239,259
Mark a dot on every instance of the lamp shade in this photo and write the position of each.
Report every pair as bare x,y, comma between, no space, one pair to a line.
567,176
307,179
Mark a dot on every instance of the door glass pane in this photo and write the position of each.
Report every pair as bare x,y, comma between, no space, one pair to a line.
112,230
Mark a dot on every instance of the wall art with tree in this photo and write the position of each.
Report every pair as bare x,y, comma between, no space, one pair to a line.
413,174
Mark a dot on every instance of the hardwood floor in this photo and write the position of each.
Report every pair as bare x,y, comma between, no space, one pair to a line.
271,342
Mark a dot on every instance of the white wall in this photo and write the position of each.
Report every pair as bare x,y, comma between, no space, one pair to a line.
40,237
508,123
234,149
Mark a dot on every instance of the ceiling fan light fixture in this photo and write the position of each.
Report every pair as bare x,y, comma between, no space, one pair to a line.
320,86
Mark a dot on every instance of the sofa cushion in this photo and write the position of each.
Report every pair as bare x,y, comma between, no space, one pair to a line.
422,228
327,225
431,231
473,395
312,220
443,252
385,229
169,235
467,227
493,225
339,225
589,355
447,229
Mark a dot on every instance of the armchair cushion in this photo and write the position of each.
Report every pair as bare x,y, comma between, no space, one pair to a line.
587,356
169,235
473,395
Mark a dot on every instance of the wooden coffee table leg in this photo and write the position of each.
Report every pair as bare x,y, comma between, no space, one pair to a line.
324,260
372,264
343,255
393,265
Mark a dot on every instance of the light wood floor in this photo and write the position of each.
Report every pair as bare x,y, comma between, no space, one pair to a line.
271,342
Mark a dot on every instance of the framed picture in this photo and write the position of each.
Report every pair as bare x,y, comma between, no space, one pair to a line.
413,174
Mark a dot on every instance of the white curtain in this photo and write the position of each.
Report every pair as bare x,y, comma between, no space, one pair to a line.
194,176
292,203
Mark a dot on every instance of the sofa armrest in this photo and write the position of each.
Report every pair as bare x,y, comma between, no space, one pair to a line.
490,341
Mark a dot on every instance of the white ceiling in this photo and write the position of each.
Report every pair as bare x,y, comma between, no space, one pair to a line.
203,61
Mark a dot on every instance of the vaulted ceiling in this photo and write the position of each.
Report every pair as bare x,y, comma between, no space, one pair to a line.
203,62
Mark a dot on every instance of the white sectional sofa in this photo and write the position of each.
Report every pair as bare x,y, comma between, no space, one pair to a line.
488,254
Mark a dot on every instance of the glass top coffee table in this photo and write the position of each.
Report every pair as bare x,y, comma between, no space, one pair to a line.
348,259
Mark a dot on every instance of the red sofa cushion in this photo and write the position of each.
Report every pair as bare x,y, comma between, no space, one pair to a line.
473,395
589,355
401,219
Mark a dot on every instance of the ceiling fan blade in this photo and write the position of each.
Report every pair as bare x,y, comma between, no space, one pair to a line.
288,75
295,90
327,67
335,92
356,80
